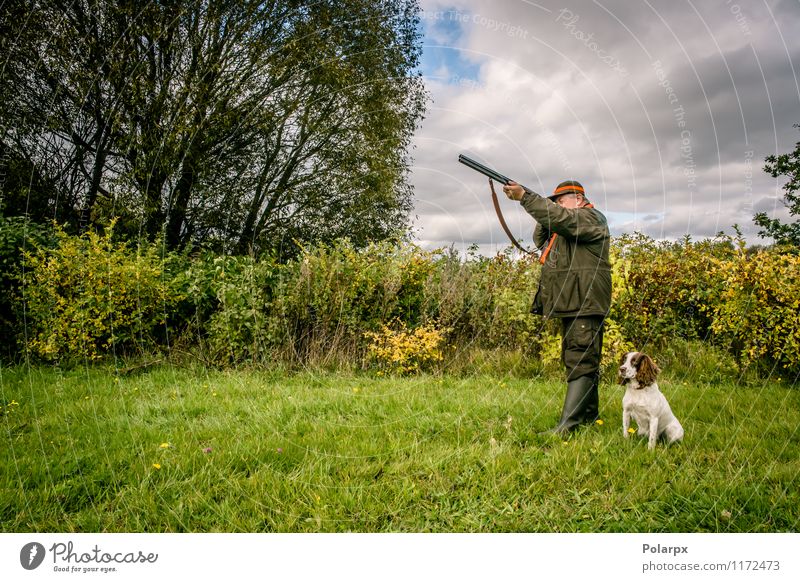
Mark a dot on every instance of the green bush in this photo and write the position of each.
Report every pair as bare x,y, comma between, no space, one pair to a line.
486,301
232,298
89,296
758,314
331,295
320,307
16,235
665,290
714,291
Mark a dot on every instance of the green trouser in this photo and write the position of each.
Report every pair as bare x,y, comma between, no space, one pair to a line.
582,346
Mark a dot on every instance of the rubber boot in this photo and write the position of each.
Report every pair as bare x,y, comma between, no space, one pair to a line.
593,404
580,405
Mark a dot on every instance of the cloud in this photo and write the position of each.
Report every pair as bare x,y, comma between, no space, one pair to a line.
664,112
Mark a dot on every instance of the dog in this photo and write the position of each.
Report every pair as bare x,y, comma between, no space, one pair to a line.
644,401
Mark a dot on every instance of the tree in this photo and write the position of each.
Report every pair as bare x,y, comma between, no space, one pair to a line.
784,165
237,123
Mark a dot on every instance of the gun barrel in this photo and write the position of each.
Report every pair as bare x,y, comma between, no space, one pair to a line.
485,170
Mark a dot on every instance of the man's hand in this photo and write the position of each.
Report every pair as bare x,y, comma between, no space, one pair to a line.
514,190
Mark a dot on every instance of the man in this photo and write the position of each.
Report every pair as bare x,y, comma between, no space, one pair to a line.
575,286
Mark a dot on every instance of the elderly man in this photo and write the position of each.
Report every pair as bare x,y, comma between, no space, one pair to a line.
575,286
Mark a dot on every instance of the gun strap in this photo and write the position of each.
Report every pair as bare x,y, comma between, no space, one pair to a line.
546,251
503,220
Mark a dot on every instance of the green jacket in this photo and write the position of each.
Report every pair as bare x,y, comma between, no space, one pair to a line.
576,273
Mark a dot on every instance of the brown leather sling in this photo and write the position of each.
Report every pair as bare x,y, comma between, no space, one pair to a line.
503,220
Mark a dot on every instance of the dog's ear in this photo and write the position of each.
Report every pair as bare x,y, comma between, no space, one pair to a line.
646,369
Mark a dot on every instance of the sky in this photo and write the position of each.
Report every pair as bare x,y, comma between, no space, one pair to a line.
663,110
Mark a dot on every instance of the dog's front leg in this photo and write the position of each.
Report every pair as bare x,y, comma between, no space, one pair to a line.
626,422
651,443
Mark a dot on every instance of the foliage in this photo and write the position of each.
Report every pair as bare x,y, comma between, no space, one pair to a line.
485,301
758,315
615,345
231,298
340,306
784,165
16,234
404,351
236,124
664,290
711,290
331,294
90,295
318,307
9,408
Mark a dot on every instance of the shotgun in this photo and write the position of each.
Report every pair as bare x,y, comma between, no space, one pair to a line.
497,176
487,171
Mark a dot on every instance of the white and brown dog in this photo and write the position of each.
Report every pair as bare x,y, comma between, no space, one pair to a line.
644,401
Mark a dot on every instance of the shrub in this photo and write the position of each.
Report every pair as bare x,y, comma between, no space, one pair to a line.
312,309
758,316
89,296
712,290
17,234
332,294
485,301
318,307
405,351
231,297
665,290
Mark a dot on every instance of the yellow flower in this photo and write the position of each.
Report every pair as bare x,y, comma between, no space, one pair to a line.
599,422
156,466
163,446
631,430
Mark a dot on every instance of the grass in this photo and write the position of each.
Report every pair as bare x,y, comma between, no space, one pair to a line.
194,450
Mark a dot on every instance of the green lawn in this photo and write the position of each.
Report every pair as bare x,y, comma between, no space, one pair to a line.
174,449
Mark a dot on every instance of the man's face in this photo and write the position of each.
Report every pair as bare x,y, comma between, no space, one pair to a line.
570,200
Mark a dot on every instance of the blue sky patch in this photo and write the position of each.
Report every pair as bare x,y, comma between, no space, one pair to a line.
442,57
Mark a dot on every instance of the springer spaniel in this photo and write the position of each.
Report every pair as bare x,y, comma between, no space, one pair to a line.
644,401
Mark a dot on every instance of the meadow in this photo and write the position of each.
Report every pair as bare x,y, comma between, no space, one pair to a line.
195,449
